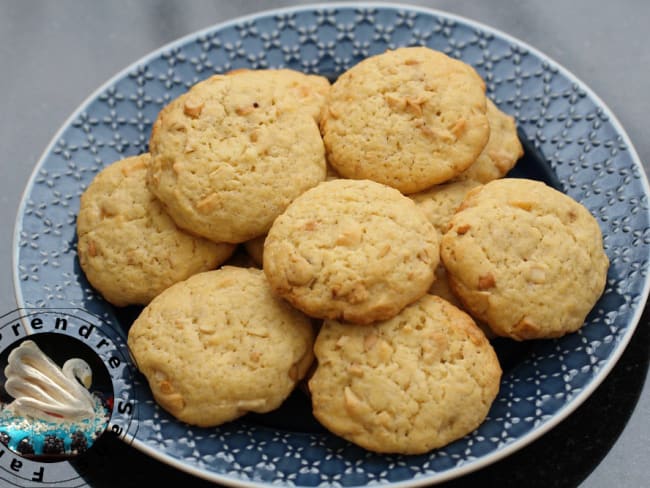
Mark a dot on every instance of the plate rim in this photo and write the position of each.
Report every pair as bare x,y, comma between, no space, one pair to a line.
459,471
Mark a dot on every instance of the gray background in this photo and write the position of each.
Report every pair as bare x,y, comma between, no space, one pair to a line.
54,54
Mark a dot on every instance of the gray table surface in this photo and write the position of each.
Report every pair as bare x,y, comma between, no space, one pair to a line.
54,54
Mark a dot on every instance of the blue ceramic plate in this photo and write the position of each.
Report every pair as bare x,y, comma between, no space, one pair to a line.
572,141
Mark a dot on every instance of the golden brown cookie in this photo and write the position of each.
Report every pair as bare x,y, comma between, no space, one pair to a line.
525,258
406,385
129,249
408,118
331,173
255,249
232,153
440,202
441,288
501,152
351,249
219,345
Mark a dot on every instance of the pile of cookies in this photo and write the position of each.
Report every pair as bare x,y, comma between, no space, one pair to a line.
377,211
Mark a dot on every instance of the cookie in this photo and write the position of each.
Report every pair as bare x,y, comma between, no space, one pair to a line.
408,118
219,345
406,385
440,202
354,250
441,288
525,258
129,249
501,152
255,249
232,153
331,174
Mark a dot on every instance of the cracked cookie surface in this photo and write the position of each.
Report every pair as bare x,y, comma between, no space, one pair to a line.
406,385
129,249
525,258
219,345
351,249
408,118
231,153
